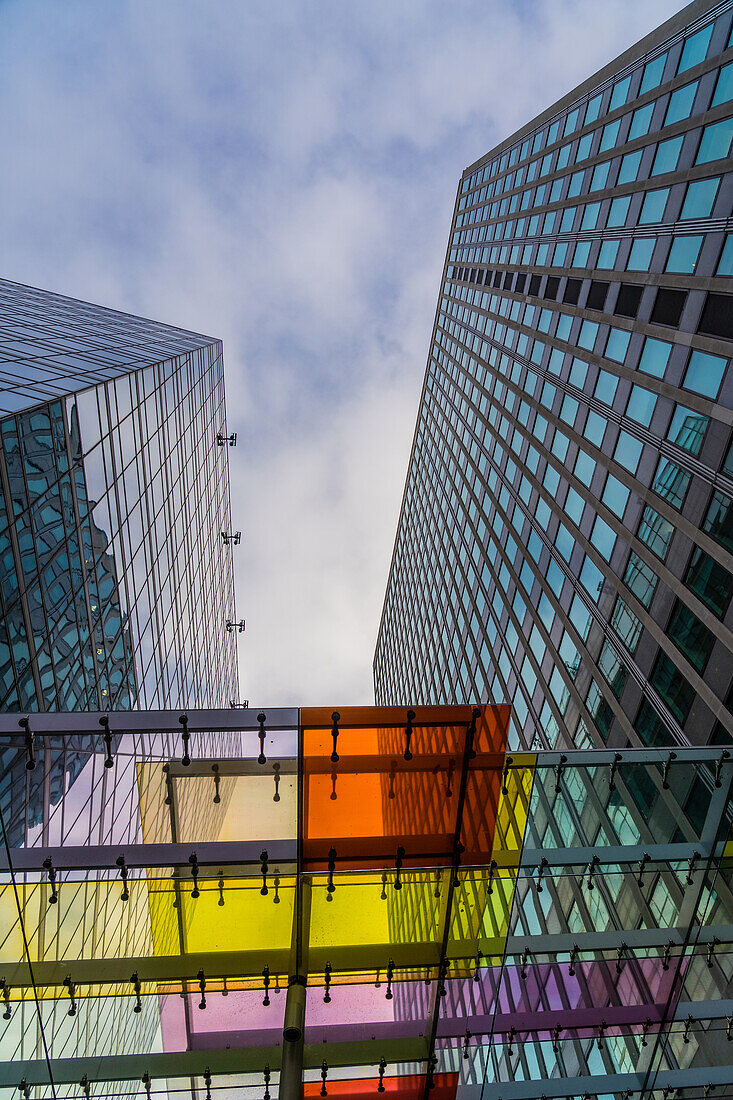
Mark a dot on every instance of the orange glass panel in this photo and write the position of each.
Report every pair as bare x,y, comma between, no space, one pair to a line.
409,1087
371,788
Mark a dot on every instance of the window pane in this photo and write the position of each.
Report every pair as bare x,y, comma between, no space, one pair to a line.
667,155
710,581
640,121
626,625
700,198
628,451
704,373
725,263
715,144
615,496
656,532
677,693
719,520
653,74
650,727
613,669
593,109
671,483
655,357
609,135
695,49
609,252
687,429
640,256
680,103
617,346
690,636
652,209
619,94
629,167
642,403
724,87
641,579
618,211
683,254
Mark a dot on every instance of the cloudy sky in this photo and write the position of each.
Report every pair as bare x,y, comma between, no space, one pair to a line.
281,175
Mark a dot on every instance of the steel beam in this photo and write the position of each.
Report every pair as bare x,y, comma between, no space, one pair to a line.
193,1063
236,854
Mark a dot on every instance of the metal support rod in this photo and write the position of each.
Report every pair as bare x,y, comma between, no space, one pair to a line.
291,1074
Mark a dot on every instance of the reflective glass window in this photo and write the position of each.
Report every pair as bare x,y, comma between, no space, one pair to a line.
710,581
704,373
654,357
605,388
581,254
613,669
690,636
725,263
687,429
618,210
608,253
715,142
700,198
617,345
656,532
593,109
590,215
695,49
620,93
627,625
667,155
652,208
584,467
603,538
719,519
629,167
641,405
683,254
671,482
676,691
609,135
599,178
653,72
640,579
724,86
571,122
627,451
640,256
615,496
640,121
680,103
595,427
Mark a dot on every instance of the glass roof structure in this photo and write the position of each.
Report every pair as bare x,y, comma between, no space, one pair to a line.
347,901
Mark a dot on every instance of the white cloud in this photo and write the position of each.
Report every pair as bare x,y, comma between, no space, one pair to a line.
282,175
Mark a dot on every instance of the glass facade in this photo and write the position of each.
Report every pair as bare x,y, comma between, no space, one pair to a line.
389,894
116,580
565,537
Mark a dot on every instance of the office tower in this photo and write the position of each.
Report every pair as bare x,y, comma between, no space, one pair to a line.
115,574
565,538
366,898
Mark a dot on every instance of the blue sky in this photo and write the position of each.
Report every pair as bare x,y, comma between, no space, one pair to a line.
282,176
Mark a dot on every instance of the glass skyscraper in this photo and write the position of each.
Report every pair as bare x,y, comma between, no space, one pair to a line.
115,576
115,561
566,535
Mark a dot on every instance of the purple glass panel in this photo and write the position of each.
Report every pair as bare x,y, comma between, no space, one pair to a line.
550,995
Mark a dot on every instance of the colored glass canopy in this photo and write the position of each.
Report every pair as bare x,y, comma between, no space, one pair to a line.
460,919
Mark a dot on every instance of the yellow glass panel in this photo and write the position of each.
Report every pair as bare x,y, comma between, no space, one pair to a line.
247,920
365,909
513,808
480,917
